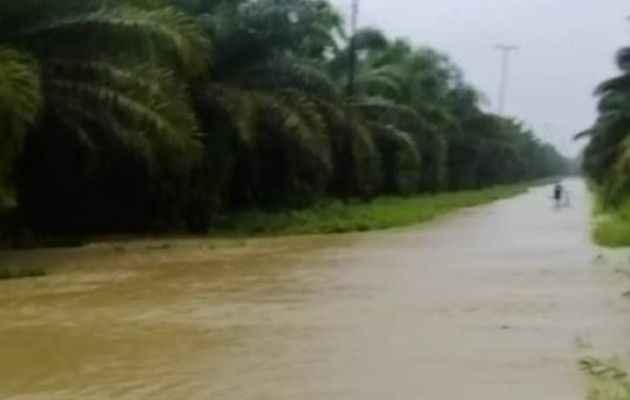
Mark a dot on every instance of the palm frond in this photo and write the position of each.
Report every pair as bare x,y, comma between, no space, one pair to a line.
584,134
20,87
293,119
154,115
613,101
234,104
623,59
401,158
619,83
163,35
292,74
386,81
439,116
389,112
305,105
402,140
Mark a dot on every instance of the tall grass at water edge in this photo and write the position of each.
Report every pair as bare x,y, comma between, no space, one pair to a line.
612,225
383,213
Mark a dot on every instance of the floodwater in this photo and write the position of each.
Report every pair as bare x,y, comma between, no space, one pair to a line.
490,303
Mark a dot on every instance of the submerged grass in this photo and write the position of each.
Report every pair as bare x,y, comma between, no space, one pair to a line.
383,213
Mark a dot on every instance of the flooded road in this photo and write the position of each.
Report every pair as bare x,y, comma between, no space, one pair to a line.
490,303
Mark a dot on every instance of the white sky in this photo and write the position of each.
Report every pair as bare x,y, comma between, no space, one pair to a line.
566,48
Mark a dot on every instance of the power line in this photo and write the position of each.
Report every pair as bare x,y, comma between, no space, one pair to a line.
506,51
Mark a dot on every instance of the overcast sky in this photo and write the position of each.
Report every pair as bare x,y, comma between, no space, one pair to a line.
566,48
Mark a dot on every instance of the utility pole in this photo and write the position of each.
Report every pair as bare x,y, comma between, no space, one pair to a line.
506,51
352,56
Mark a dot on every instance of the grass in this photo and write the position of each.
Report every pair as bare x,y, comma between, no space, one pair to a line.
608,379
383,213
612,227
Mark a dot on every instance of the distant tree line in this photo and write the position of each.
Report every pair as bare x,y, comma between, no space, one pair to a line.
145,115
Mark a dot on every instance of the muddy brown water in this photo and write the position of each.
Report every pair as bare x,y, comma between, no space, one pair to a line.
489,303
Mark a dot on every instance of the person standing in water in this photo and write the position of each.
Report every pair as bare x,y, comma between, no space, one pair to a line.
558,191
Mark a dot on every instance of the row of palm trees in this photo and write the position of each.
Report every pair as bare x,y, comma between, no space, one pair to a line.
607,156
123,115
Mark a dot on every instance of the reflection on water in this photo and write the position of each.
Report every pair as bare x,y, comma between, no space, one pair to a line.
396,315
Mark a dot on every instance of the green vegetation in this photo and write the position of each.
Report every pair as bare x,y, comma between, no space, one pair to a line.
609,380
382,213
607,157
135,116
612,225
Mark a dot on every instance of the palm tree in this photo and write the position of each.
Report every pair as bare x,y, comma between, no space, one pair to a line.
94,75
132,114
257,103
607,157
278,132
119,76
373,101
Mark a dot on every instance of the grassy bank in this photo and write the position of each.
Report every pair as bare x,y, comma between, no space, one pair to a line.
383,213
612,226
